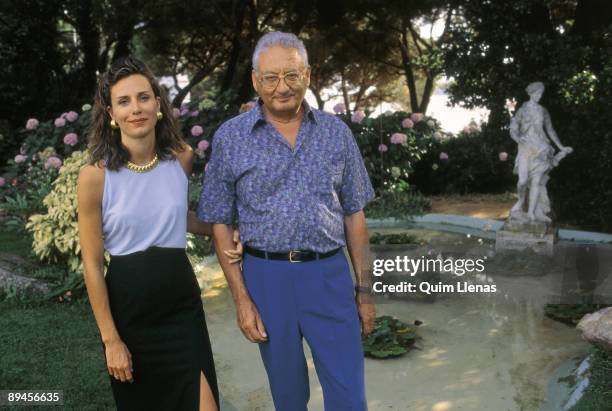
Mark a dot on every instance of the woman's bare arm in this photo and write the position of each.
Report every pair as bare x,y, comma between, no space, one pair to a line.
90,186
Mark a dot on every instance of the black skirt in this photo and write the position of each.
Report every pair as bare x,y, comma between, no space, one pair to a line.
157,308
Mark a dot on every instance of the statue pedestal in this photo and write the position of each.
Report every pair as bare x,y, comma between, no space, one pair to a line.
520,235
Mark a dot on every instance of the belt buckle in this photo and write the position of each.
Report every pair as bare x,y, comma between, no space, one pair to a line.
292,253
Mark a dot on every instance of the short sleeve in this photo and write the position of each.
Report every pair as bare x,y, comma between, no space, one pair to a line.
356,190
218,198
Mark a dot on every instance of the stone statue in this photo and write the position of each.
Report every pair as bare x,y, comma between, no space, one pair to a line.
535,158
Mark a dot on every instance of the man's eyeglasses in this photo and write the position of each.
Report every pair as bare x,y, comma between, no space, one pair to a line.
292,79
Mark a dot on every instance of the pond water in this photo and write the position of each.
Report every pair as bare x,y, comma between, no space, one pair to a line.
478,351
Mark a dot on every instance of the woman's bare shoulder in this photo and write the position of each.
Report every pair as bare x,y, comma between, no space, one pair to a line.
91,176
185,157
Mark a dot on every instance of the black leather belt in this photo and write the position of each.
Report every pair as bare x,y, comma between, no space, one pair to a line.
295,256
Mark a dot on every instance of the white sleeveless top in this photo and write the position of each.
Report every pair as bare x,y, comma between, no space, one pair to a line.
141,210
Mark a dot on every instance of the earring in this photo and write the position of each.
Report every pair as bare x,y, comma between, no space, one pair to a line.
159,115
113,124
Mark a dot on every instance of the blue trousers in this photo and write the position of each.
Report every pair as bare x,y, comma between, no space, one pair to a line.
312,300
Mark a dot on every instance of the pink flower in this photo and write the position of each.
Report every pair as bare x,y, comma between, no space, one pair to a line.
71,139
503,156
399,138
196,130
59,122
32,124
383,148
2,182
407,123
339,108
443,156
194,113
176,112
358,116
20,158
53,162
72,116
203,145
184,111
416,117
470,129
68,293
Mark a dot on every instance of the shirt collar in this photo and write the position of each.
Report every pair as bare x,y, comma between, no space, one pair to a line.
256,114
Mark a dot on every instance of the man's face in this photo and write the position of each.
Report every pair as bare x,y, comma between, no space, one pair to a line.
281,79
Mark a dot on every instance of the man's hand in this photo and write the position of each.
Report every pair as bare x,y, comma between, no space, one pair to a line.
235,255
367,313
249,321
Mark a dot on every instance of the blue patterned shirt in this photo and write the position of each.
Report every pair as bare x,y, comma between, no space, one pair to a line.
285,198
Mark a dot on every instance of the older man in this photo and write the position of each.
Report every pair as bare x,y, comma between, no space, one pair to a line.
295,181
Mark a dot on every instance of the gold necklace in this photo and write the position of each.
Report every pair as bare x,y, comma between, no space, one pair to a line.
143,168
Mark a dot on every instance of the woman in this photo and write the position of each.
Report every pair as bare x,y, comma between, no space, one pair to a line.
132,201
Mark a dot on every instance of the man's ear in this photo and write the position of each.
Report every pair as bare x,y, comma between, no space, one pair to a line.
254,81
307,74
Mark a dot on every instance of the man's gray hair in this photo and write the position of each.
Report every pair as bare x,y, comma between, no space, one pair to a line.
278,38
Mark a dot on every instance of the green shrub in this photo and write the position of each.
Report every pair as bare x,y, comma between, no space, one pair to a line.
56,234
386,168
473,165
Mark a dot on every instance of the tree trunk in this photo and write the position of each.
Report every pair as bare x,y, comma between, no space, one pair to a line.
408,72
427,91
89,37
317,94
230,70
199,76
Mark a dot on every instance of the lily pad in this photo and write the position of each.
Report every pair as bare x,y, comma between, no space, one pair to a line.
390,338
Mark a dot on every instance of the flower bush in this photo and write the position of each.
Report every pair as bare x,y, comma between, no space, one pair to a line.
56,233
392,144
472,162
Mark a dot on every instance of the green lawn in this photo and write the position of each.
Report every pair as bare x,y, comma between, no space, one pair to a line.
14,243
53,346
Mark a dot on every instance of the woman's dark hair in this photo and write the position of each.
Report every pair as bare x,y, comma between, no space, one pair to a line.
105,142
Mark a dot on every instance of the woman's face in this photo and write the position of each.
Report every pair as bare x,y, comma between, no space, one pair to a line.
134,106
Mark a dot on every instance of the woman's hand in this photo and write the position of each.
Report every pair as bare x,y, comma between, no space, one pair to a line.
119,361
235,255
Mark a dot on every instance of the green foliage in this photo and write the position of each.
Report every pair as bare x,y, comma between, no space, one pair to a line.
56,236
598,394
496,48
571,314
389,338
398,204
473,165
393,166
398,238
25,197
